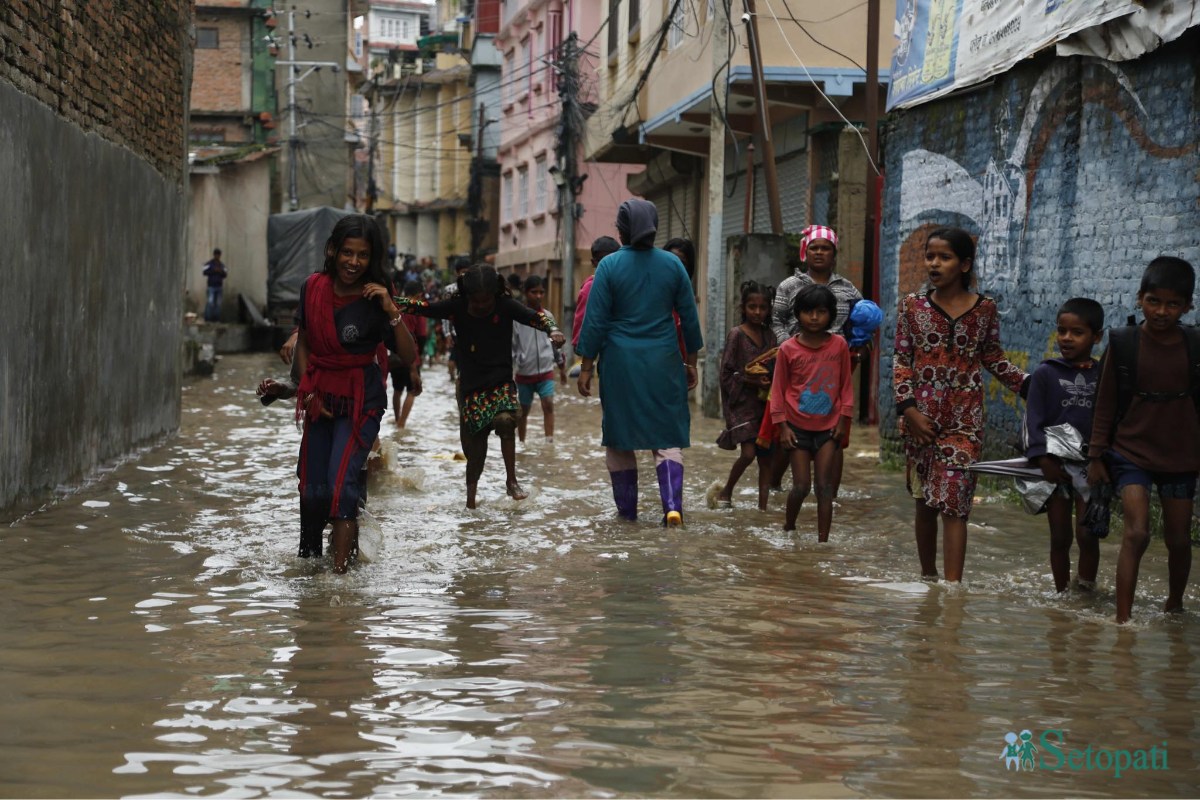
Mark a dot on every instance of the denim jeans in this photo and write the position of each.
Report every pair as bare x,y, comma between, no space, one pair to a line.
212,310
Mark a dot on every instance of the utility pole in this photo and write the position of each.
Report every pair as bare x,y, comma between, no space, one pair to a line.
568,87
372,189
868,391
764,119
718,294
293,198
291,64
475,191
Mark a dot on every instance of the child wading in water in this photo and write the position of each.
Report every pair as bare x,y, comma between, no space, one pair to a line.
1146,431
345,314
1061,392
945,338
483,314
406,380
534,359
744,394
811,403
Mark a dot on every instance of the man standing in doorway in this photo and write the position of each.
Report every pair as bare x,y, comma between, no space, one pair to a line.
216,273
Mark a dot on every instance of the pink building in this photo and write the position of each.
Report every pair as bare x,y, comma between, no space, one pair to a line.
530,41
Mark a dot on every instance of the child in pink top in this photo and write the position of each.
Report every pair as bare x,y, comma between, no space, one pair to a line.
811,403
603,246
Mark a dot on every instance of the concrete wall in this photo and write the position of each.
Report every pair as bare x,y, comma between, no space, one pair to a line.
93,108
1073,173
91,311
229,210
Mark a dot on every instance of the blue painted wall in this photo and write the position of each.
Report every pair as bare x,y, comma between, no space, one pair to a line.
1074,173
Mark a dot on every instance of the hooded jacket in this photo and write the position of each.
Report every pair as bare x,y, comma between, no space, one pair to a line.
637,223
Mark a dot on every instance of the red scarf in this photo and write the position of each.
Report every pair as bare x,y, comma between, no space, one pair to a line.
331,370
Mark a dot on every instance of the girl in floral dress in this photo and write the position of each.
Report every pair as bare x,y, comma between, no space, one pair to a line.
743,391
945,337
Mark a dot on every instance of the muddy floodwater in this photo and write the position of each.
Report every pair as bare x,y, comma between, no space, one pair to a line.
158,637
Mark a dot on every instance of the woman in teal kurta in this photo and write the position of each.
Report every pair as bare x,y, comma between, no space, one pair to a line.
644,382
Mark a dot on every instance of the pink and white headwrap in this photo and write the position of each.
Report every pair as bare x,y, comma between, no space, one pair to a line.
815,232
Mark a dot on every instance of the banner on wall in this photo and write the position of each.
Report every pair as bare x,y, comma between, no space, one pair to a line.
943,45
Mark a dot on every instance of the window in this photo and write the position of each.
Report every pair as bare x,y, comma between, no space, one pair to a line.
539,52
358,44
613,6
540,176
507,77
207,39
506,198
523,61
522,192
554,32
396,29
681,23
199,133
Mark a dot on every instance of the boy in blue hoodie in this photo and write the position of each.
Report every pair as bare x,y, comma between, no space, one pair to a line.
1063,390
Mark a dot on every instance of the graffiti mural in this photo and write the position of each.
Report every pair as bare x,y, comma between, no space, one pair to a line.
995,205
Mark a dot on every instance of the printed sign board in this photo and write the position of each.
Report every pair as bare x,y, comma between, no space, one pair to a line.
943,45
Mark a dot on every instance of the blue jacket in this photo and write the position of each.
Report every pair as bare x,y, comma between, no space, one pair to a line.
1059,392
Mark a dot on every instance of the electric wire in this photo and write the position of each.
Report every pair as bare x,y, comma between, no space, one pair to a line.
815,40
816,85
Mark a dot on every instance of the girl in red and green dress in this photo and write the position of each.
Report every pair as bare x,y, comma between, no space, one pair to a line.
483,314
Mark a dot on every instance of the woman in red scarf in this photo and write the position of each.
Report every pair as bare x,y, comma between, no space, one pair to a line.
346,314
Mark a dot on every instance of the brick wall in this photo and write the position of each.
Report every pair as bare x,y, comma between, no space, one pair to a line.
114,67
1073,173
217,74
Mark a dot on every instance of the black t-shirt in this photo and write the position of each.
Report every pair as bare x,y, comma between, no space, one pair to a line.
482,345
361,325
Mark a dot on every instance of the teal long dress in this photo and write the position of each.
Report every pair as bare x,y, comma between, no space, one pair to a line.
629,328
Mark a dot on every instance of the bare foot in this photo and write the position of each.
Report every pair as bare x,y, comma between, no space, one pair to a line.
822,537
788,528
515,491
1173,607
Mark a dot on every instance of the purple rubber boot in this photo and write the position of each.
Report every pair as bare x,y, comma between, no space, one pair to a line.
670,489
625,492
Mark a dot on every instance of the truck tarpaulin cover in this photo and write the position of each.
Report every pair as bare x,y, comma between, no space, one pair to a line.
295,250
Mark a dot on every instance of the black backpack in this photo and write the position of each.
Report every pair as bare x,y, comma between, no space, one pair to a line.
1123,348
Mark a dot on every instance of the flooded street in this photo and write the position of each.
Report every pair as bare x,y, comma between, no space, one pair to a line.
160,637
